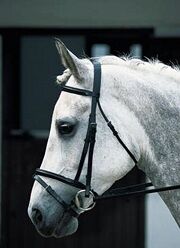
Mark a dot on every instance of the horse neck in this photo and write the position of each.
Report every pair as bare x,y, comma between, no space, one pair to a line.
150,113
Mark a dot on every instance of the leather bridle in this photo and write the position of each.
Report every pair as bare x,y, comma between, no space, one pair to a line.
75,208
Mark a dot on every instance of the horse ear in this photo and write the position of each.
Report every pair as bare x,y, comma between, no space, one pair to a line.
70,61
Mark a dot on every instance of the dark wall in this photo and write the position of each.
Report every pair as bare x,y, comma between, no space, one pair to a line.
40,64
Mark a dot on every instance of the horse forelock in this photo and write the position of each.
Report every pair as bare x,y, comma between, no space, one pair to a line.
64,77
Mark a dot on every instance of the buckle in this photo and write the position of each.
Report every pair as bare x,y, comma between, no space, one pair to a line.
78,201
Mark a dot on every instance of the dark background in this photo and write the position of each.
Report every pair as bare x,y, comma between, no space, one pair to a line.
30,65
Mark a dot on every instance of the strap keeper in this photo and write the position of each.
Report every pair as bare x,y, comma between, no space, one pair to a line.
110,125
92,134
93,125
87,191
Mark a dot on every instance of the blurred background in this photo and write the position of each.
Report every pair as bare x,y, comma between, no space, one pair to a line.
29,64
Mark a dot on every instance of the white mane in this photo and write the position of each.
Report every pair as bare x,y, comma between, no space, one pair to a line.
151,66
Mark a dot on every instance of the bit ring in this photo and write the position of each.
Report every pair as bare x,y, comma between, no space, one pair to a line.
78,204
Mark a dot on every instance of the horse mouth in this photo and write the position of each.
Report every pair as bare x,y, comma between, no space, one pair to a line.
66,226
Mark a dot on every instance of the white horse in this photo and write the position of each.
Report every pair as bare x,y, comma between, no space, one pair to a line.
142,99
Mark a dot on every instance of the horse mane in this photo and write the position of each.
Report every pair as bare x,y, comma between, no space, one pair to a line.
151,65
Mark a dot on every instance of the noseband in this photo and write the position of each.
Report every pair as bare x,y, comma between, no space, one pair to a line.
75,207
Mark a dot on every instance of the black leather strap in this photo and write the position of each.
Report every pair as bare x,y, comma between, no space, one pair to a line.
51,191
76,91
134,190
91,131
67,207
60,178
92,123
115,133
83,155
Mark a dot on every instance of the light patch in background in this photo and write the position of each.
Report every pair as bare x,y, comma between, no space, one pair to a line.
136,51
98,50
161,229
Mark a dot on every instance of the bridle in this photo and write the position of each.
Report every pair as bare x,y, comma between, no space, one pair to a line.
75,207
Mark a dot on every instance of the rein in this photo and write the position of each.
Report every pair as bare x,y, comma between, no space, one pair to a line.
75,208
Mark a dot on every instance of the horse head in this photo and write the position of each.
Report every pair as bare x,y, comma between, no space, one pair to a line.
65,143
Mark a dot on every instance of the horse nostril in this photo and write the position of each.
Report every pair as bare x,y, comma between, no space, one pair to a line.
40,221
37,216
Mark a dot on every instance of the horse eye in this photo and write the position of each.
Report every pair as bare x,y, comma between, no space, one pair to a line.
65,128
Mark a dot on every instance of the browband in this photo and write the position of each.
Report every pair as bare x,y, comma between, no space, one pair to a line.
76,91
